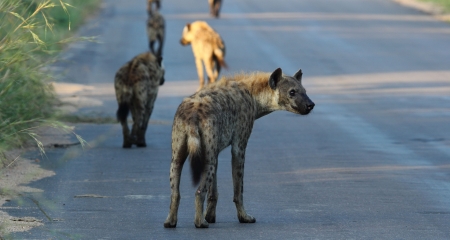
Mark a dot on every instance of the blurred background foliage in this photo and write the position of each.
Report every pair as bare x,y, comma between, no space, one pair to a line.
445,4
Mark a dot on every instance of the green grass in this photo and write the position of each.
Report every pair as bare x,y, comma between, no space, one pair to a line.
445,4
31,34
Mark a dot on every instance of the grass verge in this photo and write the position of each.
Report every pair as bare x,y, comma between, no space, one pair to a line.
444,4
31,34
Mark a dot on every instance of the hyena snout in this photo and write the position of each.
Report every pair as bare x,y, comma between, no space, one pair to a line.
309,106
306,106
183,42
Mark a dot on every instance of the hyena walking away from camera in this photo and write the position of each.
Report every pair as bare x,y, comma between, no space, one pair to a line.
150,4
214,7
220,115
208,48
136,84
156,28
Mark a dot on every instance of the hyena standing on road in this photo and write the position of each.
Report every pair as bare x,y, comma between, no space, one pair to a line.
136,84
156,31
214,7
208,48
150,5
220,115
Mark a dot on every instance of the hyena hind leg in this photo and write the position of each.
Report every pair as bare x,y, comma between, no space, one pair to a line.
213,196
211,73
206,183
179,155
140,137
160,45
151,46
122,115
137,112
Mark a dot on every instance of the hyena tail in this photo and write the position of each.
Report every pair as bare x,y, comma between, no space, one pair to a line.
124,106
122,112
219,54
197,157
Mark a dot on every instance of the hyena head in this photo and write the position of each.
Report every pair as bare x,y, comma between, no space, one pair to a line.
187,36
291,94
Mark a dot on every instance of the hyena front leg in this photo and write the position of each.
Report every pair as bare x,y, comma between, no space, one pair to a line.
199,65
237,166
213,196
179,155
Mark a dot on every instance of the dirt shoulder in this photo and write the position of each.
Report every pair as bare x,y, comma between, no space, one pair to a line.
19,172
12,184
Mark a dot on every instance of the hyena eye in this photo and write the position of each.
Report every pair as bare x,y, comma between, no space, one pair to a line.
292,93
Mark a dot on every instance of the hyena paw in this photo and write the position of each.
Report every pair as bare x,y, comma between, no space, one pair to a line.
203,224
246,219
141,144
126,145
169,224
210,218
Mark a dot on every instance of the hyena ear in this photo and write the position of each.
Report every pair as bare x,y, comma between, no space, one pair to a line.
299,75
274,78
188,27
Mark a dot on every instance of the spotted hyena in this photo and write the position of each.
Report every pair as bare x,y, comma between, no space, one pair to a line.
220,115
136,84
214,7
150,4
208,48
156,31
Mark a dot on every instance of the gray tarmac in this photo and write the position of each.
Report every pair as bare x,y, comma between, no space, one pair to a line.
372,161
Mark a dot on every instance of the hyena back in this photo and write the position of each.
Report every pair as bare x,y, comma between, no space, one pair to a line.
136,84
208,49
156,32
220,115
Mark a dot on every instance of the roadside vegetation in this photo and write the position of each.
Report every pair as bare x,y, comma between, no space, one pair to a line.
445,4
31,34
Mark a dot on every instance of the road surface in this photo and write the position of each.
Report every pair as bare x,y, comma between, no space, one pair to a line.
372,161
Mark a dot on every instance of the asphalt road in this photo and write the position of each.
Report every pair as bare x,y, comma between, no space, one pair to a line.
372,161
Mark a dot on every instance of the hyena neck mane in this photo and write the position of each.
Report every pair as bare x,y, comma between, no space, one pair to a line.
257,85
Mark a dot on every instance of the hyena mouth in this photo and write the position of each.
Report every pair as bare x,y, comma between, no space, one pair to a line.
304,109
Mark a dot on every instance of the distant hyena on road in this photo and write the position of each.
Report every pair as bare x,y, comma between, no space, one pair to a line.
220,115
150,3
214,7
136,84
208,48
156,28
